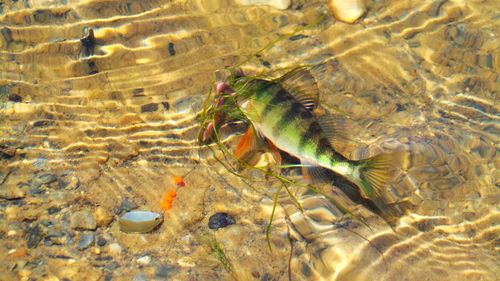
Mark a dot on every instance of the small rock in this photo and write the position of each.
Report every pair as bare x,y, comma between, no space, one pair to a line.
166,105
144,260
171,48
347,10
33,236
7,152
88,42
12,192
125,206
69,182
220,220
53,210
12,213
86,240
150,107
83,220
15,98
101,241
102,216
140,277
278,4
55,237
3,176
18,253
115,249
46,179
163,271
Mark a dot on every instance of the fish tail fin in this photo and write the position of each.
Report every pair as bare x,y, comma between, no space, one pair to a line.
374,175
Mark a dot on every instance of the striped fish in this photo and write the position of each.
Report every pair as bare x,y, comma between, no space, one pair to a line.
282,111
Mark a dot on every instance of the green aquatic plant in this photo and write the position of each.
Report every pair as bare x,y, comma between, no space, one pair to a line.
220,255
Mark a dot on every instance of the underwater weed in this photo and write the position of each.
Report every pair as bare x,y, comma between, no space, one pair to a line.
219,254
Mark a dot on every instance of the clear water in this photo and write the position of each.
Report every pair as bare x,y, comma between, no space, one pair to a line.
117,121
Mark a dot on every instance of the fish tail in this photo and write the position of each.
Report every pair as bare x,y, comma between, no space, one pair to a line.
374,175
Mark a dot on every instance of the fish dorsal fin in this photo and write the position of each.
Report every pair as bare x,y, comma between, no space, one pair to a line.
301,85
336,129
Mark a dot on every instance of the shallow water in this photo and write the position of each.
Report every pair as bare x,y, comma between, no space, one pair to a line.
101,127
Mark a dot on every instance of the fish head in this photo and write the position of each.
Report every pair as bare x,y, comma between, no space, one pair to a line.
226,80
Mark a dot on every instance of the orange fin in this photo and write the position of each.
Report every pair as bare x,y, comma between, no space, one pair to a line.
248,143
275,152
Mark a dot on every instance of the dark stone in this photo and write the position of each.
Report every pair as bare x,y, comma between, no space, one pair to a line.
162,271
140,277
36,190
15,98
3,176
33,236
7,152
53,210
305,269
86,240
104,258
150,107
266,64
46,179
125,206
112,265
266,277
88,42
43,123
138,92
220,220
297,37
101,241
7,34
171,49
166,105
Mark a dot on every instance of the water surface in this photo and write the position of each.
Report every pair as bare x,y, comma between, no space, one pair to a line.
93,125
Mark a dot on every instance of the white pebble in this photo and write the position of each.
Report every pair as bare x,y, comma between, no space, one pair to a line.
115,249
145,260
347,10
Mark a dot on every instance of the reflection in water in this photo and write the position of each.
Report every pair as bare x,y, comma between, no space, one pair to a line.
88,127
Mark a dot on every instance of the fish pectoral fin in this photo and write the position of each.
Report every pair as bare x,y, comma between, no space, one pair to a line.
302,86
248,145
276,153
313,174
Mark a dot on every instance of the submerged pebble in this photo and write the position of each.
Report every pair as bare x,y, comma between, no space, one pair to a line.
125,206
115,249
220,220
102,216
83,220
144,260
347,10
33,236
86,240
139,221
12,192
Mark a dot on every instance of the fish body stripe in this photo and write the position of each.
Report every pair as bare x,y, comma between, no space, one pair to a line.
279,98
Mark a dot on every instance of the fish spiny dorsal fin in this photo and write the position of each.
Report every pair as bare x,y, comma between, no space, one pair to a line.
301,85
